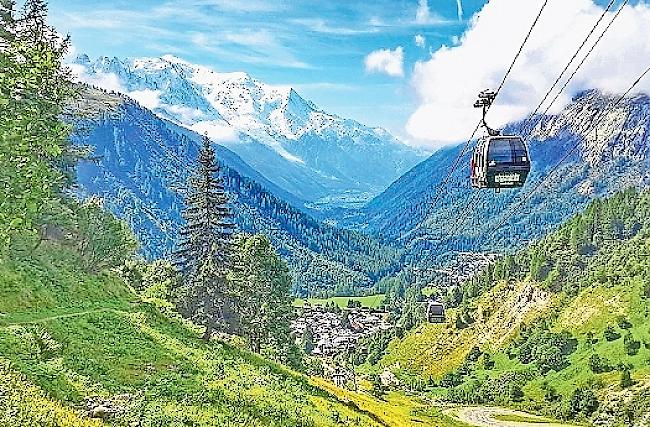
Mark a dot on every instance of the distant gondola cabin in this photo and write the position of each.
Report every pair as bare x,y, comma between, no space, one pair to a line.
435,312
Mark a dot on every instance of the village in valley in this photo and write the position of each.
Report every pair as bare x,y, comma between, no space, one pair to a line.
333,330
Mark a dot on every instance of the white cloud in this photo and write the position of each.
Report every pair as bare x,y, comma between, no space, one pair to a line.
217,131
185,114
386,61
420,41
108,81
447,84
319,25
423,15
260,47
70,54
147,98
238,5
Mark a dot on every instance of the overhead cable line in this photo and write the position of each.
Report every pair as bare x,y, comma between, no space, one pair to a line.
451,170
566,68
593,124
575,55
566,83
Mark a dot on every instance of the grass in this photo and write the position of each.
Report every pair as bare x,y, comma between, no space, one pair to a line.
396,409
24,404
370,301
67,334
49,281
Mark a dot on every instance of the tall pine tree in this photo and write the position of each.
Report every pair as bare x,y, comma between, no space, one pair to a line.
204,256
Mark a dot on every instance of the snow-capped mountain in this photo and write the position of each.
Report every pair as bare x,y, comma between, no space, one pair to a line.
319,157
609,132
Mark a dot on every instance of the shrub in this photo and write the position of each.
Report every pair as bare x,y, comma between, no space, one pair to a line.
610,334
488,361
549,357
583,401
626,379
599,364
516,394
474,354
377,387
623,323
631,345
550,394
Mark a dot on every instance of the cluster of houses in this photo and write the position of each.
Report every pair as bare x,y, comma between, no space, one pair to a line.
465,265
335,332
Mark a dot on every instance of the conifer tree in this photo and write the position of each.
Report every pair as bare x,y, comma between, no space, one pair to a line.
7,22
204,256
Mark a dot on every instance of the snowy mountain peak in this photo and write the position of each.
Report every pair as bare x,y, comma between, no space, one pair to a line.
242,112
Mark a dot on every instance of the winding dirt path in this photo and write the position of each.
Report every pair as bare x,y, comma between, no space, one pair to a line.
61,316
484,416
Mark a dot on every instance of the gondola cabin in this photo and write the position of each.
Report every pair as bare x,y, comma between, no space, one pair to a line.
500,162
435,312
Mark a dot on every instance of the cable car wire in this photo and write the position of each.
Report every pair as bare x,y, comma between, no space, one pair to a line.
593,124
452,169
575,55
566,83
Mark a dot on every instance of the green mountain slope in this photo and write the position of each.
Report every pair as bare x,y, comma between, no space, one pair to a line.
562,327
66,334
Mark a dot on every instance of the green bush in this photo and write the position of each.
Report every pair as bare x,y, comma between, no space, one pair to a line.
599,364
583,401
626,379
610,334
623,323
631,345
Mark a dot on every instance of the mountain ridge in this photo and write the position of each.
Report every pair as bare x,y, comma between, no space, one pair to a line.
613,155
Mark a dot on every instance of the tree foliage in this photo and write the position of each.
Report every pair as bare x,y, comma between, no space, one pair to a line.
262,286
34,145
204,256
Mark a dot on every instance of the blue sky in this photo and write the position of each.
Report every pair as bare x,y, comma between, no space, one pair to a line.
324,49
316,46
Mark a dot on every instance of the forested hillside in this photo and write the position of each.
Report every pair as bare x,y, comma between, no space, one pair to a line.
139,171
562,326
89,333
